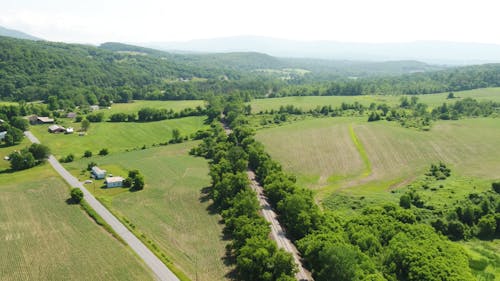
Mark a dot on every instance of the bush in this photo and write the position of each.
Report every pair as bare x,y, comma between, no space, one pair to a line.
496,187
76,195
68,158
405,201
87,154
103,152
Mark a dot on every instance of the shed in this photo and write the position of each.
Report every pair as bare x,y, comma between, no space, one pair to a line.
2,135
114,182
98,173
44,120
71,115
56,129
69,130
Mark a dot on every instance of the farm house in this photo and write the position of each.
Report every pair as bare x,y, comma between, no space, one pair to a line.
114,182
98,173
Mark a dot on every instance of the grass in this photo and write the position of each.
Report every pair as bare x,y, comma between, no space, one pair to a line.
171,211
44,238
135,106
484,258
311,102
322,149
117,137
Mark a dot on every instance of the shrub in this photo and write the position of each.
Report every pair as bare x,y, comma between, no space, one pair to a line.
103,152
87,154
496,187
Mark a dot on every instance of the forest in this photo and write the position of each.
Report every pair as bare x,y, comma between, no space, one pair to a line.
31,71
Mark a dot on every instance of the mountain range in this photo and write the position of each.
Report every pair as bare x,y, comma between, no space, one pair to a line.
16,34
433,52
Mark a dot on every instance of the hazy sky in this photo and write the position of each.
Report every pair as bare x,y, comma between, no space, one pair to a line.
96,21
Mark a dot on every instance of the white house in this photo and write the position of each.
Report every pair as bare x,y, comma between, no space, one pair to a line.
114,182
98,173
69,130
2,135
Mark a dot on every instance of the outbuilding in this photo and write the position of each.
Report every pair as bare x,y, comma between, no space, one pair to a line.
44,120
98,173
2,135
56,129
114,182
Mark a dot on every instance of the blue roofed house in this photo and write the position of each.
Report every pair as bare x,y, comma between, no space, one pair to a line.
98,173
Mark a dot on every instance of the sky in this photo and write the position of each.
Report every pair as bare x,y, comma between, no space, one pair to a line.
374,21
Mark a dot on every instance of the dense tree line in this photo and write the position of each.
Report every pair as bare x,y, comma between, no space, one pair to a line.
256,256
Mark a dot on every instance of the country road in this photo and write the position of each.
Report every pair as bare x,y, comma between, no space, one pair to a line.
277,232
160,270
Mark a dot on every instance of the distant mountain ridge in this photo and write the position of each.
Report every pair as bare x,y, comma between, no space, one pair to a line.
252,61
433,52
16,34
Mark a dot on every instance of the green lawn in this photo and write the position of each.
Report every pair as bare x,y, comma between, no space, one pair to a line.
117,137
170,210
135,106
44,238
311,102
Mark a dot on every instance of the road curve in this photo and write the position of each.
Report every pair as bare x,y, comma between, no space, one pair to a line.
159,269
277,232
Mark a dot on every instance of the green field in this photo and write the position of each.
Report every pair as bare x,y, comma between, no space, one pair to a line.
44,238
135,106
311,102
117,137
170,210
324,155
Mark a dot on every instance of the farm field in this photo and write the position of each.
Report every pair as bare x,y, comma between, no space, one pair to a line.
44,238
325,157
170,211
135,106
311,102
117,137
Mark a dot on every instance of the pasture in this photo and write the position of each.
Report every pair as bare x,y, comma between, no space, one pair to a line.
171,211
311,102
135,106
325,157
116,137
44,238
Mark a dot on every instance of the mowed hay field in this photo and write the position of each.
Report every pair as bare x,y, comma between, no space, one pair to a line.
116,137
43,238
135,106
170,211
323,154
311,102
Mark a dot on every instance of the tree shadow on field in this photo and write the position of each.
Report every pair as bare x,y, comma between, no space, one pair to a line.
71,201
205,197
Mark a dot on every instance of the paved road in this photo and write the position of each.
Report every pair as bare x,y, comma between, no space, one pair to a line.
277,232
159,269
